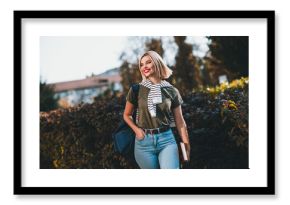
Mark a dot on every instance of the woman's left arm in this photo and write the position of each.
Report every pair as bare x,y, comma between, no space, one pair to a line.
182,128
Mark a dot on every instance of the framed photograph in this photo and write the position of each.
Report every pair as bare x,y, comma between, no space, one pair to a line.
72,74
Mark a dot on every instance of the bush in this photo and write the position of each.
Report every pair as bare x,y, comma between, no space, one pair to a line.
217,120
47,100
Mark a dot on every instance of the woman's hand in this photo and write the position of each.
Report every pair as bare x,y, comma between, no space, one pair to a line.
140,134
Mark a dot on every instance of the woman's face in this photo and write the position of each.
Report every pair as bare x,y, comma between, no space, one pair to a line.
146,66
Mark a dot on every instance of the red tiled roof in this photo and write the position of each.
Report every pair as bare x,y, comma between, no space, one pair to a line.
95,81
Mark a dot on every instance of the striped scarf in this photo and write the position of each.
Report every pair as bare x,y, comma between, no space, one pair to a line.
155,97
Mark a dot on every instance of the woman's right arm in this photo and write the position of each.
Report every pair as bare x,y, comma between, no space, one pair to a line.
128,112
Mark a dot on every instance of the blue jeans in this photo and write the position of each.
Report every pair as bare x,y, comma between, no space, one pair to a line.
157,151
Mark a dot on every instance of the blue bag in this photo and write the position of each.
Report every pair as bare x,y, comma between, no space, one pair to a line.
124,136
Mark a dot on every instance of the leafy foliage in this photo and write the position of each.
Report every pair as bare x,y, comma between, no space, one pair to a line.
217,121
47,100
233,51
186,70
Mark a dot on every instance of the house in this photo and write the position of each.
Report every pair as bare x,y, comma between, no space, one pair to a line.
85,90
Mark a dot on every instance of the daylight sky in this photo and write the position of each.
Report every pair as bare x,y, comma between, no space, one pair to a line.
72,58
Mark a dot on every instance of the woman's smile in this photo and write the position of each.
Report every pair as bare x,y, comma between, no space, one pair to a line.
146,70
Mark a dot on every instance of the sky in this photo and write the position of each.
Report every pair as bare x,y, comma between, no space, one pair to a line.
66,58
72,58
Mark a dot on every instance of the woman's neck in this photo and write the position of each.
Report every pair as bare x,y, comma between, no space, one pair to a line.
154,80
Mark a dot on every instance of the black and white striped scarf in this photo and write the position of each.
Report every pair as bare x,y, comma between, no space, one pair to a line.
155,91
154,96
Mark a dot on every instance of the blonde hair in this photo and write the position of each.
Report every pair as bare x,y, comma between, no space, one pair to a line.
162,70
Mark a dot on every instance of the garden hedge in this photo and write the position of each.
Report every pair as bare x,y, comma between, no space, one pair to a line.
80,137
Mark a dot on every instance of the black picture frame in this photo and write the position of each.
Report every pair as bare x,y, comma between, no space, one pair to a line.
19,189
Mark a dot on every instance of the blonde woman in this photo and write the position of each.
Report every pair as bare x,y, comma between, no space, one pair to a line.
159,107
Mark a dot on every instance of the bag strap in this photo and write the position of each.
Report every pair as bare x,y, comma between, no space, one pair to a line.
135,89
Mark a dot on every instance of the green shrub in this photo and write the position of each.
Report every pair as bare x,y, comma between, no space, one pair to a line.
217,121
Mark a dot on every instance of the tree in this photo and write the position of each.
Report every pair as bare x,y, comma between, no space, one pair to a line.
186,71
233,52
130,74
47,100
155,45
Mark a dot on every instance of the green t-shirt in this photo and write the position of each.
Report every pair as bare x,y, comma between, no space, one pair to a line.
170,99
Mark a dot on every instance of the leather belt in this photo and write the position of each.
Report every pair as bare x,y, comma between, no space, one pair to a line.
156,130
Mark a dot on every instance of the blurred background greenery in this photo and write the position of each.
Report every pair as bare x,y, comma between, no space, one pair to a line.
197,63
